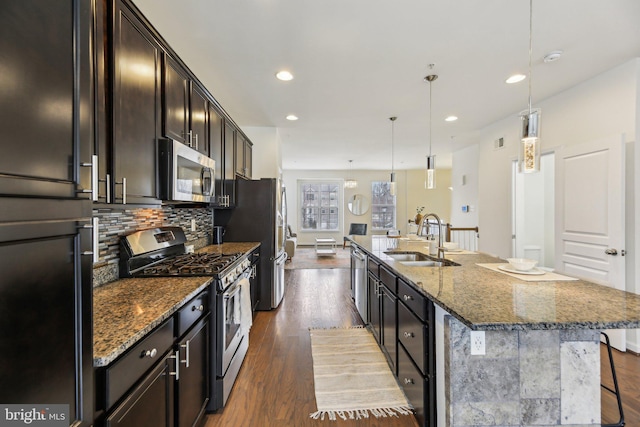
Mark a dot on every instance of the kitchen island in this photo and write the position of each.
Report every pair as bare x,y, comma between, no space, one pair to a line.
541,364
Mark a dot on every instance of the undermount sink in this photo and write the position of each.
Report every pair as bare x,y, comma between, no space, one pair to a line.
418,259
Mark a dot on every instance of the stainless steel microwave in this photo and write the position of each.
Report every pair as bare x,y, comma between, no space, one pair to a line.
184,174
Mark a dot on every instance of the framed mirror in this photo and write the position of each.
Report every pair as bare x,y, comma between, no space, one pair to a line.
358,204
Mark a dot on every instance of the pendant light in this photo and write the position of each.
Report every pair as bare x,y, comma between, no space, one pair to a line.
529,150
430,178
350,182
392,183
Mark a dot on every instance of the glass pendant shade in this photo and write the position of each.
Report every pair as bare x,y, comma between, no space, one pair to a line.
392,184
430,179
350,182
529,150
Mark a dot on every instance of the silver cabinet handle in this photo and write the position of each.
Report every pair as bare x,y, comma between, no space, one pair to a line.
94,177
196,141
199,308
407,297
186,356
124,190
176,356
95,234
409,335
149,353
611,251
408,381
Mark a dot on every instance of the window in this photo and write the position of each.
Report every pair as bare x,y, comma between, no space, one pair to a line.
383,206
319,201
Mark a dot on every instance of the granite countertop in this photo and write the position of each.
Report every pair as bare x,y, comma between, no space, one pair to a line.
125,310
487,300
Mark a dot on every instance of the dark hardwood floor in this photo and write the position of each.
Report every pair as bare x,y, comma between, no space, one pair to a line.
275,385
628,373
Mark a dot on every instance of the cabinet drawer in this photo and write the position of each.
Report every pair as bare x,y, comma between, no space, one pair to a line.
148,404
413,299
414,386
412,334
191,312
123,373
373,267
389,280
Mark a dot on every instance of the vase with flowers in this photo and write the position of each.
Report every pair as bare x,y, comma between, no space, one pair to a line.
418,217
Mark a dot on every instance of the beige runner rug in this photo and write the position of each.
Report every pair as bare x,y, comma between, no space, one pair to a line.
352,377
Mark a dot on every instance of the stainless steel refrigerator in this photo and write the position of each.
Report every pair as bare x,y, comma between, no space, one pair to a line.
260,215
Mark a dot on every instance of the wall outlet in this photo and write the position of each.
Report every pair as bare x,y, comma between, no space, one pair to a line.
193,225
477,343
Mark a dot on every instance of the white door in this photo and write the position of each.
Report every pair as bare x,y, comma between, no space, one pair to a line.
590,215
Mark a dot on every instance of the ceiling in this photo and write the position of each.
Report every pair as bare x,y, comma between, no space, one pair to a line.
358,62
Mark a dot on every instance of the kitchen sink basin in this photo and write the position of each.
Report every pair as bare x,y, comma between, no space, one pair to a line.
418,259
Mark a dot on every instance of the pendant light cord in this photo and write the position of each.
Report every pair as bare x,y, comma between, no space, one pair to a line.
530,49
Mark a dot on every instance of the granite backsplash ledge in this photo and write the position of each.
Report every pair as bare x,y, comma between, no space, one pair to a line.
114,223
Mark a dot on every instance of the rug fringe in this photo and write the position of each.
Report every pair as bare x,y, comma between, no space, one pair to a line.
359,414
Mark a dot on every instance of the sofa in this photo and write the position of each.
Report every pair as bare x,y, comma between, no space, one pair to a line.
290,243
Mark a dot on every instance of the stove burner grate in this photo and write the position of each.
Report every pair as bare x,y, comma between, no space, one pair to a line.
192,265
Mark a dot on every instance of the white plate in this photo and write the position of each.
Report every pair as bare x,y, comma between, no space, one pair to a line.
534,271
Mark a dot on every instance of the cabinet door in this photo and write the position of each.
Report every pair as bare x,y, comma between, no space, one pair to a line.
216,151
136,109
388,330
150,403
192,393
229,163
248,160
374,305
175,108
38,105
45,305
255,279
198,118
240,143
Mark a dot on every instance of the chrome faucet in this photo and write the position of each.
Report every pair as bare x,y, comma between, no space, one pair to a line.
421,227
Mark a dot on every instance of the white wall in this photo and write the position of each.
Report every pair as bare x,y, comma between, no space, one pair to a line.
465,164
411,193
266,153
608,104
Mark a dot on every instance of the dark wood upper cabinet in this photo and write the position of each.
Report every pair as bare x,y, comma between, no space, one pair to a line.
185,108
175,102
243,156
45,107
198,119
136,109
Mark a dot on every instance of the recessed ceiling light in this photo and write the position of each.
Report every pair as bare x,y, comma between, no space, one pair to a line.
451,119
516,78
284,75
553,56
292,117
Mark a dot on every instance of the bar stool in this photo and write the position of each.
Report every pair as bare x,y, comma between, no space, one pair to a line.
616,389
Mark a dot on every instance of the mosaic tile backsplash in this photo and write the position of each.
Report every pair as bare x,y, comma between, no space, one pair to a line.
117,222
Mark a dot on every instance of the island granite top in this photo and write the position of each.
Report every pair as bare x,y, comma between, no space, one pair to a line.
125,310
487,300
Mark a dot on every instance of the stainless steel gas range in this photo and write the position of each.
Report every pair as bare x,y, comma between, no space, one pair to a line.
161,252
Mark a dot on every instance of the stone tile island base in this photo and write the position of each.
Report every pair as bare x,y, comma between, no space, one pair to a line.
526,378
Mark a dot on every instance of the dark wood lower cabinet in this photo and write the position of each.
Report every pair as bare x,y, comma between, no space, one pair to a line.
151,402
192,387
373,285
161,380
388,305
414,386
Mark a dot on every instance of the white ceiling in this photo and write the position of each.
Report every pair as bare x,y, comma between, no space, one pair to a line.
358,62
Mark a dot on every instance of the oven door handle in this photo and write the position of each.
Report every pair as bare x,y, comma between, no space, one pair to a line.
232,291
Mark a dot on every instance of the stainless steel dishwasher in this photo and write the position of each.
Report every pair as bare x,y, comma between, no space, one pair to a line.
359,280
